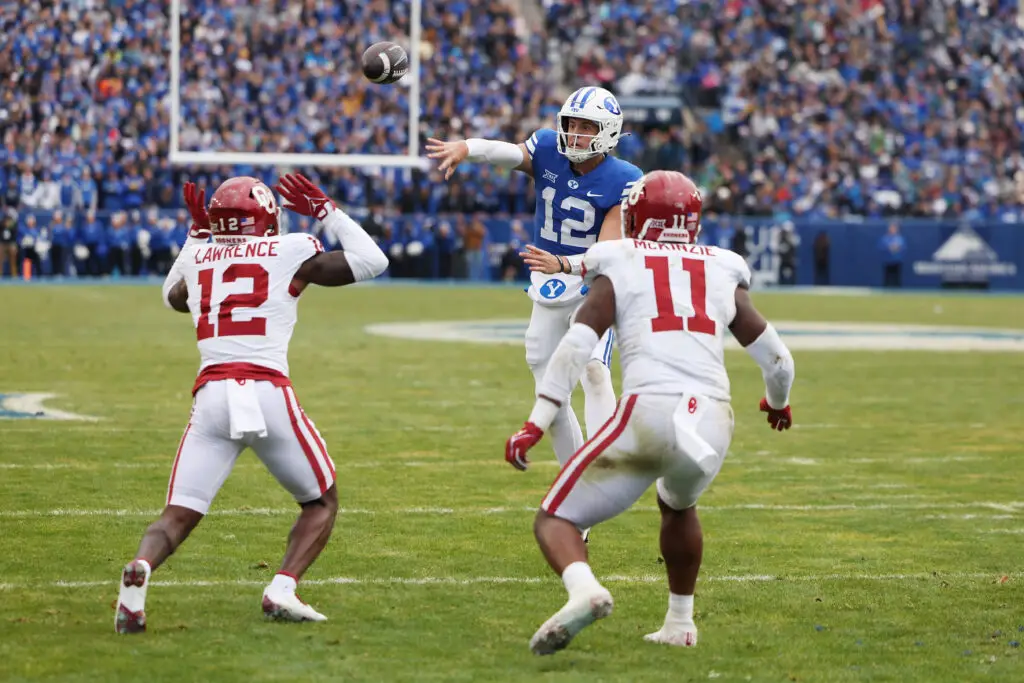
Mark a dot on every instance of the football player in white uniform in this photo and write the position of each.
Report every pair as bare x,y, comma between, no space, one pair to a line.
242,290
670,301
579,186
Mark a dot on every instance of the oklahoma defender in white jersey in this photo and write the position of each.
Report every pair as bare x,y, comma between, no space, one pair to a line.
670,301
242,291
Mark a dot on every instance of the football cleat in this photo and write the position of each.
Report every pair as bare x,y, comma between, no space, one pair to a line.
580,612
680,635
131,600
284,606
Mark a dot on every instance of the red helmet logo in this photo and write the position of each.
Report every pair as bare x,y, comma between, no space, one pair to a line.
243,207
663,206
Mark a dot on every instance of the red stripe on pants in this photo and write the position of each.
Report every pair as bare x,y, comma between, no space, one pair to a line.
584,457
177,456
306,448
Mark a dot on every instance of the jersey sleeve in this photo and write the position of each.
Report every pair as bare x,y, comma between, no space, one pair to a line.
737,267
542,140
630,175
297,248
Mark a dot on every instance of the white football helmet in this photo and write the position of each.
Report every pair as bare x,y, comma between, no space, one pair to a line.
593,104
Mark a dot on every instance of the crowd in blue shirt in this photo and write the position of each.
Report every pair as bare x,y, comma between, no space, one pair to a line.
798,109
822,109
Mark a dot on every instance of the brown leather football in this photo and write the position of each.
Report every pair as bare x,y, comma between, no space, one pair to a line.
385,62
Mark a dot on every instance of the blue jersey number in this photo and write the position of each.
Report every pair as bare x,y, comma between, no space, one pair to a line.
564,234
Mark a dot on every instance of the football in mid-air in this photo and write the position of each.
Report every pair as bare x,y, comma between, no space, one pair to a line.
385,62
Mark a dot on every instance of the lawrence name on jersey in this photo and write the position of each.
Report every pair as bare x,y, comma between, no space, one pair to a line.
671,302
242,292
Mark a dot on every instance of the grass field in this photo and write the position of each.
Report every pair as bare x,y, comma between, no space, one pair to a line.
879,540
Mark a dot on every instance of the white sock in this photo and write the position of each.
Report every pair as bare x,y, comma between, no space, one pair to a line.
680,609
578,578
145,563
599,395
283,582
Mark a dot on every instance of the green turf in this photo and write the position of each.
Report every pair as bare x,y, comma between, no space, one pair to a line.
887,545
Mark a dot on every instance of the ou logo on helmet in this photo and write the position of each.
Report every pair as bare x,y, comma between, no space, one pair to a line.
264,197
552,289
612,106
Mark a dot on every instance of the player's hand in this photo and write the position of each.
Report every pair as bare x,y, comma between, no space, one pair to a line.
778,418
303,197
541,261
519,443
450,154
196,203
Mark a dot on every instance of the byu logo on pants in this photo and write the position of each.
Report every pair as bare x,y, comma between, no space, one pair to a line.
552,289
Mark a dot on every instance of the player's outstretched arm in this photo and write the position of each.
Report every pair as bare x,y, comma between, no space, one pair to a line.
762,342
478,150
593,319
542,261
361,260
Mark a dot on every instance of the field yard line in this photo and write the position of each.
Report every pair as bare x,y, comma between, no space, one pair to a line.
492,580
1009,507
493,462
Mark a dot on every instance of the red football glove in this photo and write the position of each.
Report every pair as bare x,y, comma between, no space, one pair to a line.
303,197
196,204
521,442
778,419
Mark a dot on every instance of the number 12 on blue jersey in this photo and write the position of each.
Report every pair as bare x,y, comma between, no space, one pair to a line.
572,232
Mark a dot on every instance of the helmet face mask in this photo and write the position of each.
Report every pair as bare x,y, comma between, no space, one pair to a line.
589,104
243,208
663,206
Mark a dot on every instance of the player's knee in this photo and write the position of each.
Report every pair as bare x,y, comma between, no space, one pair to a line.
328,501
596,376
178,519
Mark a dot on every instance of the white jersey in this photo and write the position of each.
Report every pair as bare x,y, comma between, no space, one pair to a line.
673,306
242,301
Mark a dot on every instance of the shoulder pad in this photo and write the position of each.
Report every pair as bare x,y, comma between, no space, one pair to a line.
604,256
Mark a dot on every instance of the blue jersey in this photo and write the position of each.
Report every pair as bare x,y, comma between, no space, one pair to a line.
570,207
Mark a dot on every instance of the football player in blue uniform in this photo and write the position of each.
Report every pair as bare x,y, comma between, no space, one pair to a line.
579,187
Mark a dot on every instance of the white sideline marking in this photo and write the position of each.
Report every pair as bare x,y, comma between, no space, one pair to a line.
496,463
474,580
1002,531
1009,507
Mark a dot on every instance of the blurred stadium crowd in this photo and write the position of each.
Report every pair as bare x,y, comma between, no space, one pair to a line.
794,109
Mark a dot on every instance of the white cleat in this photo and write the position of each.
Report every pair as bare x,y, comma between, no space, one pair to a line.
284,606
585,534
130,616
558,631
681,635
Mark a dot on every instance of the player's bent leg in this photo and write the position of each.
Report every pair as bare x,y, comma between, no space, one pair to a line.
161,539
599,394
578,499
682,547
682,541
588,600
305,543
202,463
548,324
295,453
